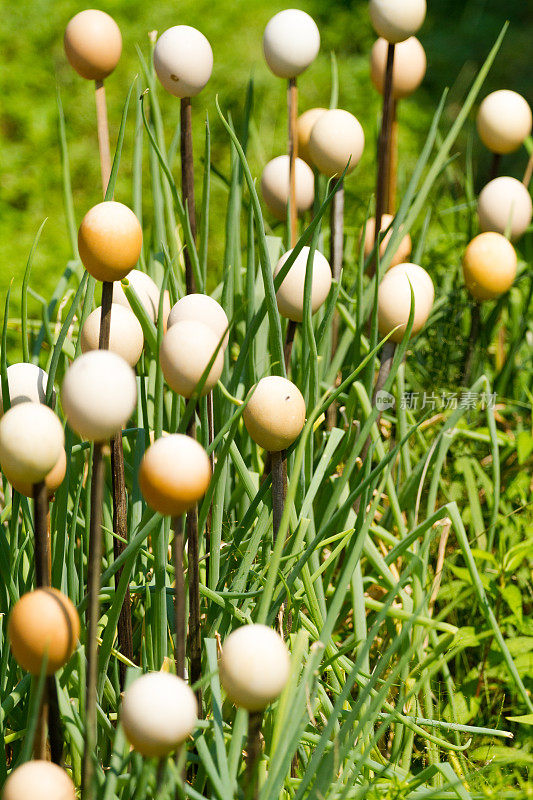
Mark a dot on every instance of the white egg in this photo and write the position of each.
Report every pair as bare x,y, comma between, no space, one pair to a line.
203,308
290,295
396,20
275,186
409,66
99,394
185,353
505,201
31,440
183,60
503,121
38,780
27,384
394,299
291,42
254,666
159,711
336,138
275,413
145,288
126,334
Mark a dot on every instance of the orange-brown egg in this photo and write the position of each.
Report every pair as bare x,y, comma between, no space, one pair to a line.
304,126
109,241
174,474
43,622
93,44
489,265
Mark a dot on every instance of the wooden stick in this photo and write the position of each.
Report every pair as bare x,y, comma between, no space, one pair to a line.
526,180
179,597
187,182
92,615
292,102
42,543
278,462
393,160
120,528
289,341
385,364
382,192
495,166
103,134
193,547
253,754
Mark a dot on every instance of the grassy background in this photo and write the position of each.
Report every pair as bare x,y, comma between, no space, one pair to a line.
456,35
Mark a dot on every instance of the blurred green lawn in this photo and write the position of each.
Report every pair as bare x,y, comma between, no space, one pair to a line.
457,36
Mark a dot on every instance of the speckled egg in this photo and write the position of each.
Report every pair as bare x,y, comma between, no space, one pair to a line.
183,60
275,413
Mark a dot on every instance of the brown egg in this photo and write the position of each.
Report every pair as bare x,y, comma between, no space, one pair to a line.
503,121
336,138
409,66
43,621
185,352
109,241
93,44
304,126
52,481
275,186
394,299
404,247
174,474
275,414
38,780
126,334
505,203
489,265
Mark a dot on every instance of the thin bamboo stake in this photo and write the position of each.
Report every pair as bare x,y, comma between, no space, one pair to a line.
103,134
393,159
384,142
92,615
292,102
187,182
179,597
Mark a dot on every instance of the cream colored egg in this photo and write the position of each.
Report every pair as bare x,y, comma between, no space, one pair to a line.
31,440
489,266
185,353
183,60
159,711
174,474
504,121
38,780
290,295
337,137
275,186
291,42
99,394
146,290
93,44
394,299
275,414
43,623
53,479
396,20
304,126
404,247
126,334
505,204
27,384
409,66
203,308
254,666
109,241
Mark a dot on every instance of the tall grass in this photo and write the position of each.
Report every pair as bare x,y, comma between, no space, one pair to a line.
405,664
